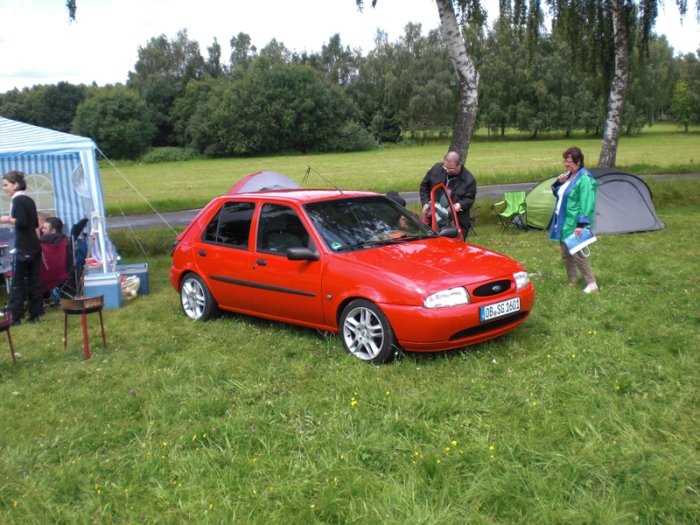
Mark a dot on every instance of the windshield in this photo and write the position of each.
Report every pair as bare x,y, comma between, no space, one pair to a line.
362,222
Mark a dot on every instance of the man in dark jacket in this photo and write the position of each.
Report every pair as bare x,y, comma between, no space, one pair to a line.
52,233
460,184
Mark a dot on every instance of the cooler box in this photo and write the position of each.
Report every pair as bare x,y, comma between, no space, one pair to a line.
138,269
108,284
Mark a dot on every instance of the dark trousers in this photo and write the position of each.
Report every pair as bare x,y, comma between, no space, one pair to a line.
26,285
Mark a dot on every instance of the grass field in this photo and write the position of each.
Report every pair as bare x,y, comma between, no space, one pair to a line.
128,187
588,413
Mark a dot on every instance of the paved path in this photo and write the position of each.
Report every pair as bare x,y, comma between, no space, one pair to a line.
180,218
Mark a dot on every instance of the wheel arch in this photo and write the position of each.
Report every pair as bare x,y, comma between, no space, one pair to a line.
350,298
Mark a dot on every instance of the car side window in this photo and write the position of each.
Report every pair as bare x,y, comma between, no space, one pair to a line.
231,225
279,229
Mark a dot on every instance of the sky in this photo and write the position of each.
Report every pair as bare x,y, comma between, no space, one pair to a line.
39,45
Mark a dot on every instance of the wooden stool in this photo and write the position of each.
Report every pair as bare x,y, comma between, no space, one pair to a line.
5,323
82,306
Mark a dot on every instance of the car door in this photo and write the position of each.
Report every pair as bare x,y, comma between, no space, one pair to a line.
442,212
288,290
224,254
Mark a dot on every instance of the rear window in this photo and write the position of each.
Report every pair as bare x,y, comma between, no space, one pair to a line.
231,225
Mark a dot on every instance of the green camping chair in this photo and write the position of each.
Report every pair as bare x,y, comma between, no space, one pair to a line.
512,210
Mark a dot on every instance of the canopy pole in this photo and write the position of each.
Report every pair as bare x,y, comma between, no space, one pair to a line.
97,224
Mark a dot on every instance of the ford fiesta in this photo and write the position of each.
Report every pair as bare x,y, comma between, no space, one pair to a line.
350,262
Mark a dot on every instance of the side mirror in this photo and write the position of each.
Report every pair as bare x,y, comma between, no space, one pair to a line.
302,254
450,231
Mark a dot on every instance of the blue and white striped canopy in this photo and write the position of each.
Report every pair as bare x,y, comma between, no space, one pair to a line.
68,160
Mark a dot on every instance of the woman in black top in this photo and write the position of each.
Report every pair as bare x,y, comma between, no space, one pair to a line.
25,279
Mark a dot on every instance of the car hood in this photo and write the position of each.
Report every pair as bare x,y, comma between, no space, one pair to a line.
433,264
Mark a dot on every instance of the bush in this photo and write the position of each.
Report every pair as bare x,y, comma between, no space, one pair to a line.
117,120
352,136
169,154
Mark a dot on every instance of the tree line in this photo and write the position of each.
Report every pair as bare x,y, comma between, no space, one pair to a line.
274,100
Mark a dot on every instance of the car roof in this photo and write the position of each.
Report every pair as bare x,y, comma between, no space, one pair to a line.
301,195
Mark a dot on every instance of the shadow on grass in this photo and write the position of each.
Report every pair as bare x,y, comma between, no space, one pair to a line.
416,358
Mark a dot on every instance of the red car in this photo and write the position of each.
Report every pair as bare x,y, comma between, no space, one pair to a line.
351,262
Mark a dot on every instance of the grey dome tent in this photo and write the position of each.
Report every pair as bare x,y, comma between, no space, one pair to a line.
623,203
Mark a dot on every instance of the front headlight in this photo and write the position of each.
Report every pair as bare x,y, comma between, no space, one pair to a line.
521,280
451,297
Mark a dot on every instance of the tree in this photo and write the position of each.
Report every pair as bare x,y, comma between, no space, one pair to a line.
426,92
197,114
504,77
117,120
680,104
602,32
72,8
242,54
161,73
274,107
469,12
280,107
621,13
688,69
213,66
49,106
407,87
339,64
652,77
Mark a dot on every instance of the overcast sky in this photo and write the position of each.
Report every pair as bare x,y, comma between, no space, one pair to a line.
39,46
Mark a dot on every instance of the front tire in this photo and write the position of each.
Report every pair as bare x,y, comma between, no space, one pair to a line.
366,333
196,299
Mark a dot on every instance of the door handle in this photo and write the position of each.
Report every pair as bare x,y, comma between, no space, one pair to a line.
261,262
202,253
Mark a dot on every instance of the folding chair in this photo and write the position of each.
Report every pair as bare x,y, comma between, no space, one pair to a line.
54,271
72,287
473,217
513,210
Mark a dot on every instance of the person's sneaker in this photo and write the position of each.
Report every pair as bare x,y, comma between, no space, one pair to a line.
590,288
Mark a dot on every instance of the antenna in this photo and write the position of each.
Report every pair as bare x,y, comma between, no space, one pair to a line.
309,169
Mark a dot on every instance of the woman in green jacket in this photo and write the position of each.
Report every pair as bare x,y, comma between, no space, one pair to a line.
575,191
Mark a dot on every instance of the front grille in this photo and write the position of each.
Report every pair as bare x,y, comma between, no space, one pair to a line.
492,288
489,326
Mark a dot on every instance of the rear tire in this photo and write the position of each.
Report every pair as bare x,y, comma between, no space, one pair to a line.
196,299
366,333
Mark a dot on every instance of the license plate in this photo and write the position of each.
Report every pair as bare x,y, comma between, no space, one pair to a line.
486,313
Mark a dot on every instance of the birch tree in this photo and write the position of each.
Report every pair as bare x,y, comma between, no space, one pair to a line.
603,32
454,15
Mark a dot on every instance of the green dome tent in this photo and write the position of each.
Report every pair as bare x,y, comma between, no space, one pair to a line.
623,203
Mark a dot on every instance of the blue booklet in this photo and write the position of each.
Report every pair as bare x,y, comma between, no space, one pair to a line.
576,244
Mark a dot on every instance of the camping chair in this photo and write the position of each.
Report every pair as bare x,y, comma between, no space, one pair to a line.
72,286
473,217
513,210
54,269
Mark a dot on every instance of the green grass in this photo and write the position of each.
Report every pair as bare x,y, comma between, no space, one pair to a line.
191,184
587,413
